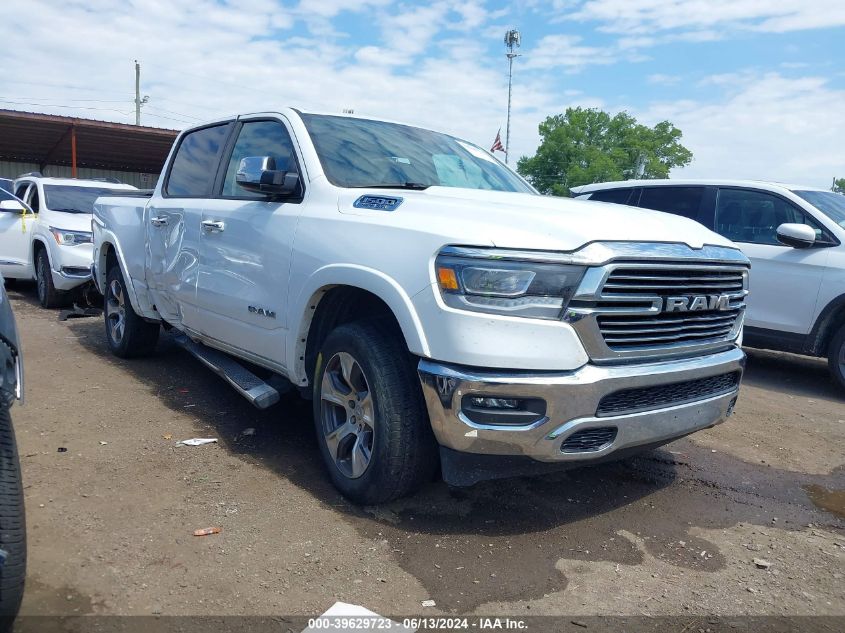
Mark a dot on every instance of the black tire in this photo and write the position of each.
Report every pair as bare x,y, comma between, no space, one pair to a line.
836,356
48,296
12,524
128,335
402,448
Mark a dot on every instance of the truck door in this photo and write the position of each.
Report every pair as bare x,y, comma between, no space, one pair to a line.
173,223
245,250
16,235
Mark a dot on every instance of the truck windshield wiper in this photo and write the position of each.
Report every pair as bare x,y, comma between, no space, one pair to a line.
65,210
399,185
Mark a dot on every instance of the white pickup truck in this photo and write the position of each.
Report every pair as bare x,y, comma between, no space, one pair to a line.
438,310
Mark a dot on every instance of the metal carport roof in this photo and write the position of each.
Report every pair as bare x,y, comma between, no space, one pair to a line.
48,139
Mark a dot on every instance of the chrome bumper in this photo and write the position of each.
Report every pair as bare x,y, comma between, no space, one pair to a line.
572,399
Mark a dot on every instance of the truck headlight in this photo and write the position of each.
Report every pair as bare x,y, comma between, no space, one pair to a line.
497,285
71,238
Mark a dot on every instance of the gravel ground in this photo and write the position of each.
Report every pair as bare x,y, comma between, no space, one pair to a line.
675,531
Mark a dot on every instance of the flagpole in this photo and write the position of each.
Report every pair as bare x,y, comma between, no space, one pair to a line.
511,39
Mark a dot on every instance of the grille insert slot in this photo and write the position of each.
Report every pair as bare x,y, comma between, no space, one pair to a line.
661,396
589,440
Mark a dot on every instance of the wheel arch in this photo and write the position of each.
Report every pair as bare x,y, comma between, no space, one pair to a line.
353,295
830,319
108,254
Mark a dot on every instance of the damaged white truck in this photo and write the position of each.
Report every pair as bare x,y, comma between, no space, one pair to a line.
441,314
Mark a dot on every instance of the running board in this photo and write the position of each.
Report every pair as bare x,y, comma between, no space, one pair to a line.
250,386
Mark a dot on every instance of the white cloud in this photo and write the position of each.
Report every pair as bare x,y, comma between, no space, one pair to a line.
648,16
768,128
661,79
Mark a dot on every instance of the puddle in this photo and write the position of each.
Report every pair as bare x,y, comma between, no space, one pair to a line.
831,500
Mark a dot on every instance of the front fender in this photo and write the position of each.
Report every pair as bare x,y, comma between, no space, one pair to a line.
303,307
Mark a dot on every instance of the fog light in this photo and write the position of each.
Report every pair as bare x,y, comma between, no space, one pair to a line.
495,403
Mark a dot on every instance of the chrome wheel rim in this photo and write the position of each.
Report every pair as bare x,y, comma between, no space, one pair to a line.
116,311
347,415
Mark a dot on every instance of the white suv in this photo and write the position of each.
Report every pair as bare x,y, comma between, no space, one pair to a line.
795,239
49,239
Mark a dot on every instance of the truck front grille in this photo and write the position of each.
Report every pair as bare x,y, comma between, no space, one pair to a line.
661,396
647,310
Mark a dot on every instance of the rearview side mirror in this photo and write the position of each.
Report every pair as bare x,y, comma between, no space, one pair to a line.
796,235
259,174
11,206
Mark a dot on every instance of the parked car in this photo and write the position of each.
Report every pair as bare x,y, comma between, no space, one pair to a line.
12,519
48,238
425,296
794,237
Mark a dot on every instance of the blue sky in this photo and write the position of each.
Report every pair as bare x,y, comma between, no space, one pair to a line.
757,86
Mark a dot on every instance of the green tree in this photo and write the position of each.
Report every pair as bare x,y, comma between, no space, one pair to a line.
586,145
838,185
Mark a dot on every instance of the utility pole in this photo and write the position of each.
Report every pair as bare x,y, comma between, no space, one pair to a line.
137,93
138,100
512,40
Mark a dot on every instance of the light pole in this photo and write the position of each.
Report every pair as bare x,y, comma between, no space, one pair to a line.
512,41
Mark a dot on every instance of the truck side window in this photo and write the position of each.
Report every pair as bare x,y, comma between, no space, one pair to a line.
195,164
619,196
685,201
258,138
743,215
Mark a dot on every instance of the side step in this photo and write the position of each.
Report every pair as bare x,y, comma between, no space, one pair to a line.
250,386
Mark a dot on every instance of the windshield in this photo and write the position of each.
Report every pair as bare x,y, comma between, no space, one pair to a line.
829,203
72,199
362,153
6,186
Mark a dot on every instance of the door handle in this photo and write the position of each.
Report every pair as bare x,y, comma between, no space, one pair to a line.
213,226
160,220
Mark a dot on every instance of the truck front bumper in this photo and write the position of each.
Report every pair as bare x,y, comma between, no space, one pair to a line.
586,415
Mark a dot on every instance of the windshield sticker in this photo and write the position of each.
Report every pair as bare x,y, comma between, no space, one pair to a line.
399,159
478,153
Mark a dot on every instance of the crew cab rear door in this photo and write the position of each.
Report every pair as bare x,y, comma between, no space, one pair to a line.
173,223
245,248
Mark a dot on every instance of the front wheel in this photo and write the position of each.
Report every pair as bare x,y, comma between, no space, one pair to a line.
127,333
836,356
48,295
370,417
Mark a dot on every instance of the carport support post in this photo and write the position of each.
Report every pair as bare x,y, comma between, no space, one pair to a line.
73,151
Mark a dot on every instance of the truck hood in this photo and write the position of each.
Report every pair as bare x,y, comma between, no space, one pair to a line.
526,221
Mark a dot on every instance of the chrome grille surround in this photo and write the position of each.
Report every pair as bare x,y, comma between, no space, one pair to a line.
618,310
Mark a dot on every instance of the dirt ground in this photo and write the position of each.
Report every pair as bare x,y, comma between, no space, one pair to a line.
674,531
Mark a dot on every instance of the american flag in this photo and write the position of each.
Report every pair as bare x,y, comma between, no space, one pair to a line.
497,144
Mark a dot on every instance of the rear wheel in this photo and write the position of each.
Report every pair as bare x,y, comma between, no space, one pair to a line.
127,334
12,524
48,296
836,356
370,417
